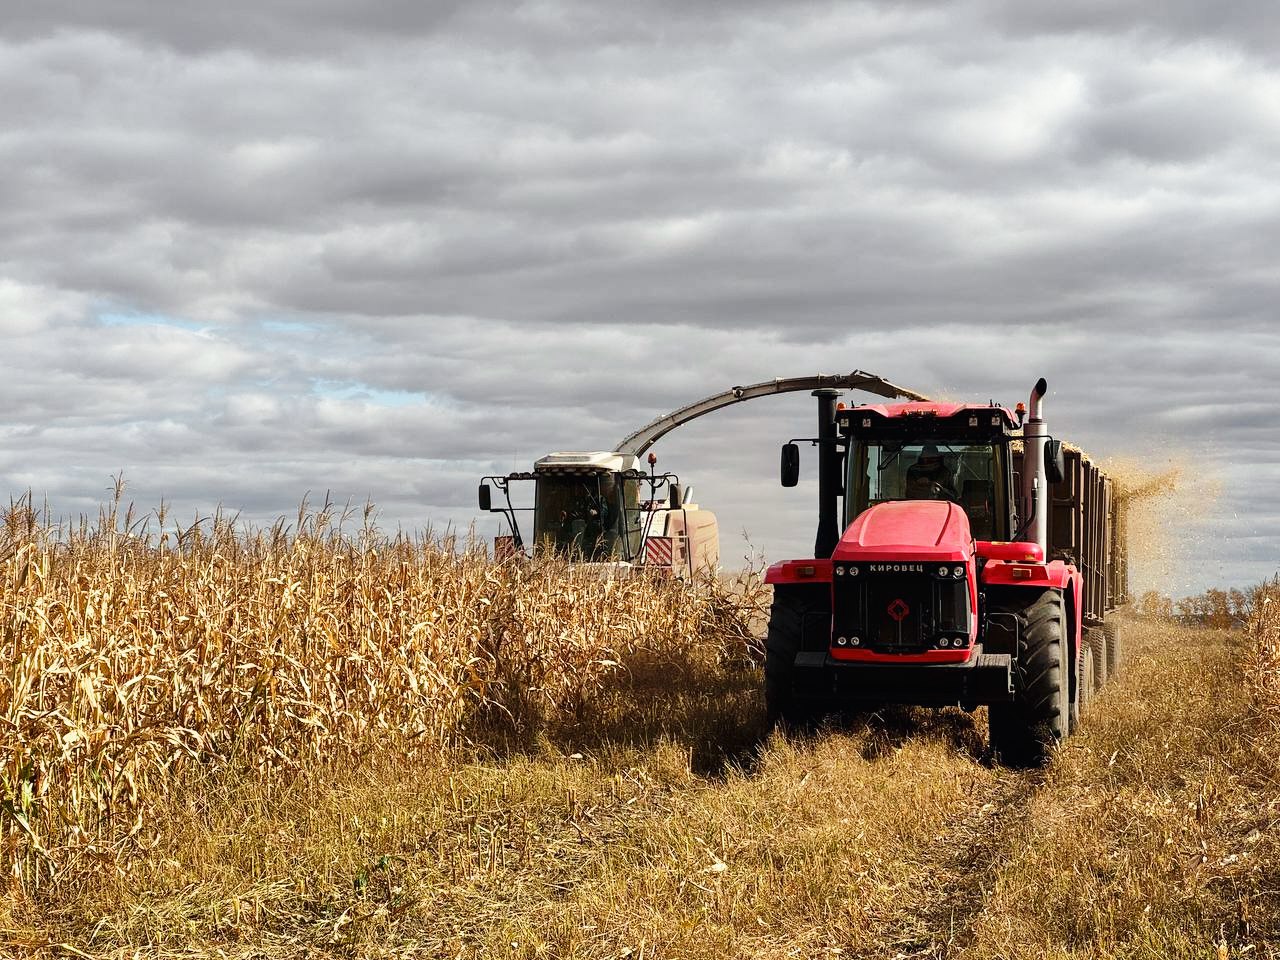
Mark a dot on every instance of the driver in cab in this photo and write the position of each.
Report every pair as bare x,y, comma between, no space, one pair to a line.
928,478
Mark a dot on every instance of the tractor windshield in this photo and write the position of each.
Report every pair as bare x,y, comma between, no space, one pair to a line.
588,516
971,475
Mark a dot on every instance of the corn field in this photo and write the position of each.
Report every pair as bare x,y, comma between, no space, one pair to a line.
133,656
1266,630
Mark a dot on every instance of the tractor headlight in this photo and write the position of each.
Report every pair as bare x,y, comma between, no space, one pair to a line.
958,572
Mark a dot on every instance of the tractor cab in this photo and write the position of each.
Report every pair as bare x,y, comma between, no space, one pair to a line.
931,451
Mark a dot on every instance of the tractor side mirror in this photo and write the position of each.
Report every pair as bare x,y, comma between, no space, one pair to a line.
790,464
1055,467
486,498
675,497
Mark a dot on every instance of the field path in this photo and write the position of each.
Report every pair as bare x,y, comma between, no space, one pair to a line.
956,872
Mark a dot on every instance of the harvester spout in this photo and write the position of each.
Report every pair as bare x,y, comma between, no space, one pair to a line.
1035,481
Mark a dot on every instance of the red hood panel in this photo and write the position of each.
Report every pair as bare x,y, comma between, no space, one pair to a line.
908,530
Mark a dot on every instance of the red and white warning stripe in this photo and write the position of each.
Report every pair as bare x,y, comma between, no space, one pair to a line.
658,551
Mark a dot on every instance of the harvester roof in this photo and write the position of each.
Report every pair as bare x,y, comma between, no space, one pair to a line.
584,462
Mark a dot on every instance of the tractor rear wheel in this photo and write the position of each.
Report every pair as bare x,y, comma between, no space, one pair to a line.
784,702
1025,731
1115,647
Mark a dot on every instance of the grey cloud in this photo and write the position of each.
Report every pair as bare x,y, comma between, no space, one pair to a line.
1250,24
318,27
538,226
514,185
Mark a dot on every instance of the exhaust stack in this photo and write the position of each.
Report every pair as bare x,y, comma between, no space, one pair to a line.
1035,482
828,475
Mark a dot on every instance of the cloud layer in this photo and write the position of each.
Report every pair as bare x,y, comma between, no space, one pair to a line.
248,252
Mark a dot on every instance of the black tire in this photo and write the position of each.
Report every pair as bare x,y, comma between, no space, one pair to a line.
1098,644
1080,693
783,703
1025,731
1088,682
1114,647
1098,651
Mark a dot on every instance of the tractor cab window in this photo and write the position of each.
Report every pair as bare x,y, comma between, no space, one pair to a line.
971,475
592,516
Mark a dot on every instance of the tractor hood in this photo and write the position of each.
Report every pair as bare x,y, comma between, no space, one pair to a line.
908,530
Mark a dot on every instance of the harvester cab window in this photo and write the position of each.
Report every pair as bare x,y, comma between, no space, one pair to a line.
593,516
965,474
576,515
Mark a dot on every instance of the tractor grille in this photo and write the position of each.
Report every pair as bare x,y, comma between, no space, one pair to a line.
898,608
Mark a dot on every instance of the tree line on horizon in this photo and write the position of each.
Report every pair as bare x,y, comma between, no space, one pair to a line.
1228,609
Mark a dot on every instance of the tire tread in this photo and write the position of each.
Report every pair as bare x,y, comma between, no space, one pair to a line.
1024,732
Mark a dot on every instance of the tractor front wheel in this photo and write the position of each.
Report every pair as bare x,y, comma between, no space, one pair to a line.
784,702
1025,731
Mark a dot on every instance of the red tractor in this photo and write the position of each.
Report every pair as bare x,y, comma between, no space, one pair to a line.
978,565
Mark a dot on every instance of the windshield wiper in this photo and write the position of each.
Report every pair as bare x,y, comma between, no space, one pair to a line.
885,464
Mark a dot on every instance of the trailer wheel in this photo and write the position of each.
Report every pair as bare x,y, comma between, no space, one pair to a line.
783,702
1024,732
1115,648
1081,693
1098,650
1098,645
1088,674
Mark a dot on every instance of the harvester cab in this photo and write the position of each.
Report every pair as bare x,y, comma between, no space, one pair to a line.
601,508
963,556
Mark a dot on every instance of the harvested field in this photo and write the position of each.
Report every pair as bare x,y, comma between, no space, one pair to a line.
319,745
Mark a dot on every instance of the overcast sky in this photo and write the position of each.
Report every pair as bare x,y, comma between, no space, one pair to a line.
249,250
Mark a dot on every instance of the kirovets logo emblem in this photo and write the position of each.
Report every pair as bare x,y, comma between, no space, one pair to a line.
899,610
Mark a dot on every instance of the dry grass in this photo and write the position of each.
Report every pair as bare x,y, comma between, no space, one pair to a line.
630,808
